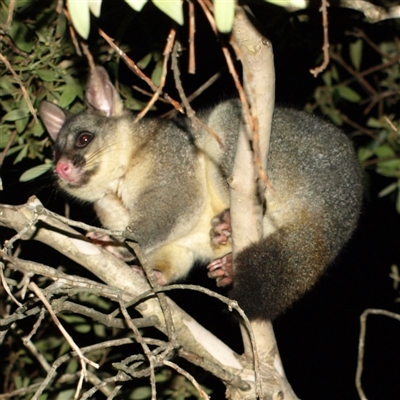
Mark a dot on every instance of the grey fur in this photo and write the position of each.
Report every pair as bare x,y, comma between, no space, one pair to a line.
167,179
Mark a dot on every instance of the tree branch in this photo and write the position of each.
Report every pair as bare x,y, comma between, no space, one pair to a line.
120,277
247,189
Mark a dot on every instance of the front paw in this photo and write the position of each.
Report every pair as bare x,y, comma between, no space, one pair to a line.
220,233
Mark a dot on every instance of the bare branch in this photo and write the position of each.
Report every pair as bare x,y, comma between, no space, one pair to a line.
325,47
361,344
64,239
157,93
133,67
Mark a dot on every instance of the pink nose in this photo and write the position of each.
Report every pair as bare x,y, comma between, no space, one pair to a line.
64,169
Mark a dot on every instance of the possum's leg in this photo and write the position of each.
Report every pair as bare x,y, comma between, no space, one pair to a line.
221,269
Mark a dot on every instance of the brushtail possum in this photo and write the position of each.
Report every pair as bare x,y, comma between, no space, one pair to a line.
167,180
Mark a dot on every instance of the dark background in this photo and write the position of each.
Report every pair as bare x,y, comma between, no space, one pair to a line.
318,337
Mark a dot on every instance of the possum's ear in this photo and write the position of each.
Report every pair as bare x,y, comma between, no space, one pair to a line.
101,94
53,117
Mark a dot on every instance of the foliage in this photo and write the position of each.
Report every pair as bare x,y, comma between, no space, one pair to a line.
40,59
224,11
349,76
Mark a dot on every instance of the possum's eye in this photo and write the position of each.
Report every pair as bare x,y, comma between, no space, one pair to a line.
83,139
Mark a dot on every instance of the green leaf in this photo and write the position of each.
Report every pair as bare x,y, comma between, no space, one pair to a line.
163,375
99,330
68,96
388,189
49,343
21,124
348,94
384,151
389,168
17,381
66,394
22,154
21,36
296,4
335,116
137,5
364,154
335,73
144,62
15,149
72,319
224,13
64,348
80,16
37,130
72,366
173,8
61,25
141,393
4,138
34,172
356,50
47,75
84,328
375,123
157,72
14,115
7,85
95,7
327,77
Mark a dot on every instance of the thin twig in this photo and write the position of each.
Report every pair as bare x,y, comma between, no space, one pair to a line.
252,119
10,13
192,31
189,377
157,93
193,95
23,89
358,76
89,56
361,34
208,14
325,47
145,348
134,68
40,357
155,286
185,100
36,326
215,369
6,287
361,344
71,28
82,358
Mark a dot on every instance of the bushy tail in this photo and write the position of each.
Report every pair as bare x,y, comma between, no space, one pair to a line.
270,275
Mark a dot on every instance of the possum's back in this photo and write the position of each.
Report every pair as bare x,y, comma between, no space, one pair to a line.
312,166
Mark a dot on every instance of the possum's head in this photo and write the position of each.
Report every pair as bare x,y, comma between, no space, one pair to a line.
80,140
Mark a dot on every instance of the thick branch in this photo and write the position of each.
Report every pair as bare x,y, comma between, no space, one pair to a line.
248,186
116,273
